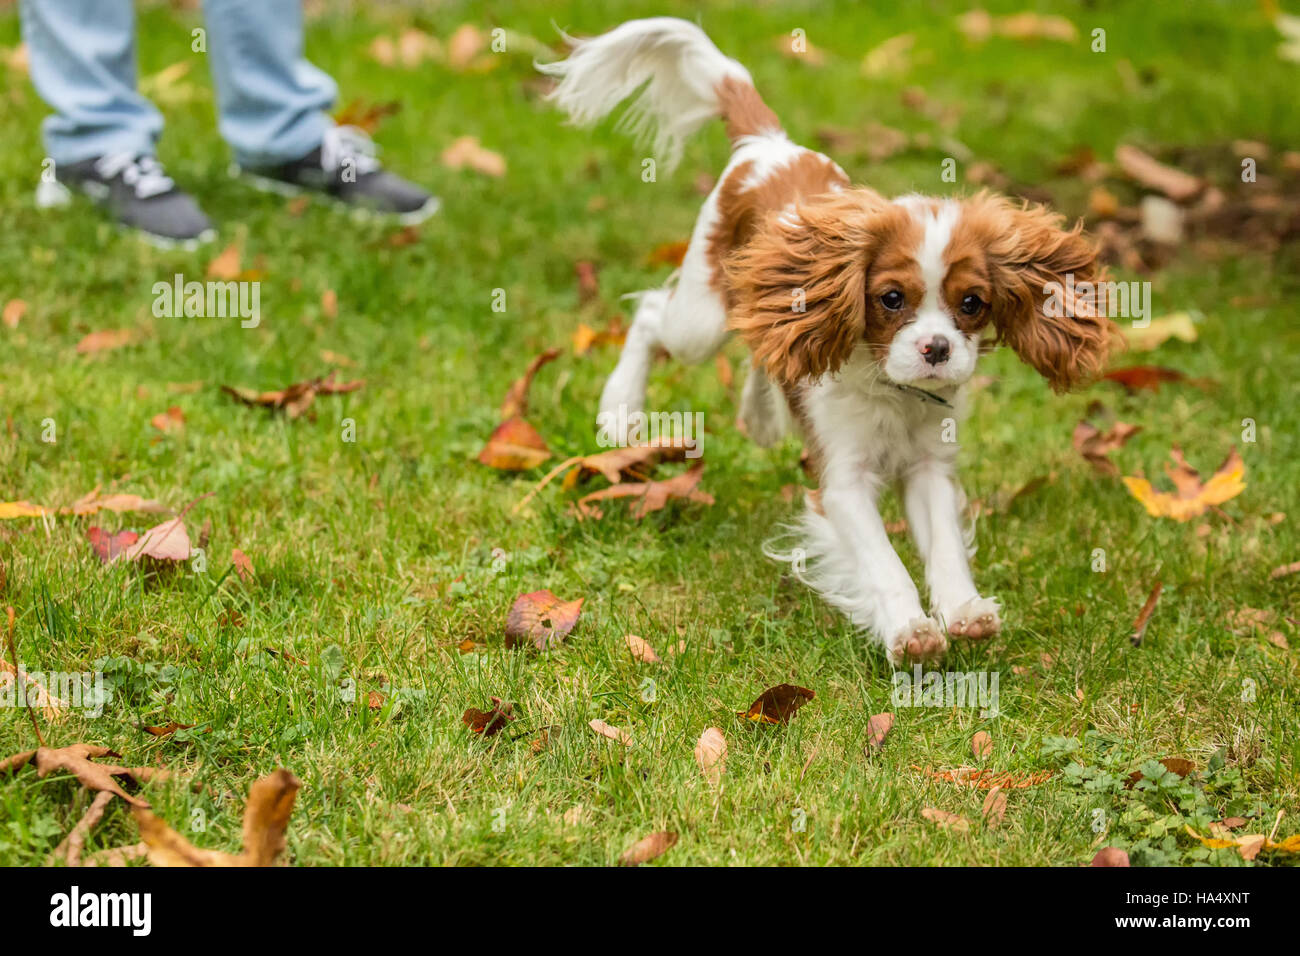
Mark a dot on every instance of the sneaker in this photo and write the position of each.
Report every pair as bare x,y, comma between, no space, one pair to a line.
139,195
344,168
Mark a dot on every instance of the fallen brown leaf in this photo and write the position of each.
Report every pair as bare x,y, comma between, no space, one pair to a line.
266,817
613,733
778,704
946,820
488,723
293,399
1150,172
878,728
542,618
243,566
466,152
647,848
641,649
514,445
105,340
711,754
13,313
994,809
650,496
981,745
1192,496
1110,856
1096,445
516,400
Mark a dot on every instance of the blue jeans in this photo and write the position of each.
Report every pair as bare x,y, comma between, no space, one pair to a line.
271,102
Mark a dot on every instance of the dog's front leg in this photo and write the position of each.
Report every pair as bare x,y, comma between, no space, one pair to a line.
931,500
887,597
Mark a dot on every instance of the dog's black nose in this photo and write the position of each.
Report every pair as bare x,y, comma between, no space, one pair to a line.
937,350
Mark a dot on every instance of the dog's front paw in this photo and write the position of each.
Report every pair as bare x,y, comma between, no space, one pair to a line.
975,620
919,642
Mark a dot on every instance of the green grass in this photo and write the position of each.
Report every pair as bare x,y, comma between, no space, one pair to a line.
374,559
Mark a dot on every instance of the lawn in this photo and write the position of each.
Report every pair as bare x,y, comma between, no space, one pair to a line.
375,560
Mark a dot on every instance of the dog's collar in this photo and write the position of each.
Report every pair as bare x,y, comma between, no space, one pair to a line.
922,394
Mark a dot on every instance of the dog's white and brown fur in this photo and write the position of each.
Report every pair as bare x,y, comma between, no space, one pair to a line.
865,317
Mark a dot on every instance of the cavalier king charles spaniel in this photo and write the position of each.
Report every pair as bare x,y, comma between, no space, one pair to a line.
865,317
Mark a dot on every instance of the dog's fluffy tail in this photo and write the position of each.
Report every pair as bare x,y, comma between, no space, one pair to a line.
676,78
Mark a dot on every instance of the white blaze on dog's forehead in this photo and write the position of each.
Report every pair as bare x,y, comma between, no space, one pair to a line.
938,221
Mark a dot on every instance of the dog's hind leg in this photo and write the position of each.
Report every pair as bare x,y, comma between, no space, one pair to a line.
687,319
763,409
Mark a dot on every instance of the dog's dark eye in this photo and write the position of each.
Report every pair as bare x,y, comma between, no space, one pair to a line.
971,305
892,300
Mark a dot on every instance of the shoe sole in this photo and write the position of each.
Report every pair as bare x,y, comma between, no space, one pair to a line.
278,187
56,195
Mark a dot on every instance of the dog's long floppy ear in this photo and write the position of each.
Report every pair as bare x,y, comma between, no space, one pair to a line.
1048,289
797,287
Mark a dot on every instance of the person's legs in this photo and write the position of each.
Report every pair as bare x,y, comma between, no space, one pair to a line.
271,101
272,105
83,65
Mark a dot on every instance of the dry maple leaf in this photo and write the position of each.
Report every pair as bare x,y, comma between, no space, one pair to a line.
514,445
105,340
1192,496
293,399
650,495
632,461
1150,377
542,618
878,728
647,848
266,816
948,821
516,400
51,704
641,649
74,844
981,745
78,760
778,704
711,754
1096,445
613,733
466,152
488,723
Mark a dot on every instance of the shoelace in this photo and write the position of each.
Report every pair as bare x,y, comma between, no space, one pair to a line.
348,147
144,174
